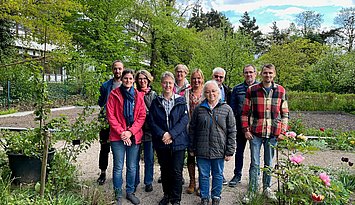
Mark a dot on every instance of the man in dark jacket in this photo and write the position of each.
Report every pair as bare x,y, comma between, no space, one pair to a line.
168,122
237,99
219,75
105,90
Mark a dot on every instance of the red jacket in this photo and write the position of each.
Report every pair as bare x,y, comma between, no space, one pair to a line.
116,119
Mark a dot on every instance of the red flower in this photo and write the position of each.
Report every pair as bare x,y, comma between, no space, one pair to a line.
322,129
317,198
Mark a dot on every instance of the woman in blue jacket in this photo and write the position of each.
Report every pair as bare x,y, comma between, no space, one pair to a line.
168,122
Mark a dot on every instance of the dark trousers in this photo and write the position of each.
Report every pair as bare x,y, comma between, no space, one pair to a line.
239,154
171,165
104,148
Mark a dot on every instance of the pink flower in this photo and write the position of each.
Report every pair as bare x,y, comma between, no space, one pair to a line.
325,178
296,159
291,134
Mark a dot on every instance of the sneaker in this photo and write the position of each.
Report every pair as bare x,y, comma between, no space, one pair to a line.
148,188
268,193
216,200
165,200
204,202
235,180
102,178
225,182
132,198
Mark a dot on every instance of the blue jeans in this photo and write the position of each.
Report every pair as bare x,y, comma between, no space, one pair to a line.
119,150
215,167
148,163
255,146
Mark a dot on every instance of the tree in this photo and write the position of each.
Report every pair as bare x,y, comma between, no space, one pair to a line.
346,22
230,52
99,31
250,28
309,21
293,61
276,36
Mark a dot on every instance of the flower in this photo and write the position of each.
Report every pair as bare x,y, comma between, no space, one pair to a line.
325,178
302,137
322,129
291,134
317,198
296,159
344,159
351,164
352,142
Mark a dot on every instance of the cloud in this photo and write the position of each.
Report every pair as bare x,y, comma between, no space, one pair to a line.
288,12
250,5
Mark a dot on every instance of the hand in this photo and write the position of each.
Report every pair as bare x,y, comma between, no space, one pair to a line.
126,135
248,135
227,158
280,137
167,139
127,142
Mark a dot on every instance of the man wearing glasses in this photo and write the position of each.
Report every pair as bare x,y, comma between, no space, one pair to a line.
237,99
219,75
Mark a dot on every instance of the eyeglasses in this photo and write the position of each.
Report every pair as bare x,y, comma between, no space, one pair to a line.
141,79
218,76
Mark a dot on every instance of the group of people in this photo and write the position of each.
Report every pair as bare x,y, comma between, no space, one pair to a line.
207,119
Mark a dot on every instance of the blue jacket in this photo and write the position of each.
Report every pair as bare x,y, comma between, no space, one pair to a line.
175,124
237,100
105,91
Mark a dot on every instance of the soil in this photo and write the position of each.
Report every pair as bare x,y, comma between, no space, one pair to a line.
88,161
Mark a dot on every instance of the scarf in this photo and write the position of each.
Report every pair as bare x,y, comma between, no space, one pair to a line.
146,90
128,105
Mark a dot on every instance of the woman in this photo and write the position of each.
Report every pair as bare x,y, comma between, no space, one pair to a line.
212,134
195,96
143,81
168,118
126,115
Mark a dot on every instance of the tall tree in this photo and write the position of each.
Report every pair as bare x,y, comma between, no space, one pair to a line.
275,36
309,21
250,28
346,22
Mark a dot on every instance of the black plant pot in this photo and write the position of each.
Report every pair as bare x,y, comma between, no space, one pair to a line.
27,169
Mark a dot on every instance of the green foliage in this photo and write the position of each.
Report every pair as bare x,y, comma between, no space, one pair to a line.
300,182
312,101
293,61
9,111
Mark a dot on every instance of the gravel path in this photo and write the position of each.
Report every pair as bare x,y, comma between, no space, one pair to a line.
88,161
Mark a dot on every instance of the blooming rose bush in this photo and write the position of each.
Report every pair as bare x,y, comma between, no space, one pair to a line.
301,184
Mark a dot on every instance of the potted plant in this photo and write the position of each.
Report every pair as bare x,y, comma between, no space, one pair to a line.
25,150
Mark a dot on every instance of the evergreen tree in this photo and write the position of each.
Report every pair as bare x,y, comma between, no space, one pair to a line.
250,28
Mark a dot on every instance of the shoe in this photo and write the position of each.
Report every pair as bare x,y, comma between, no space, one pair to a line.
235,180
148,188
164,201
119,202
225,182
204,202
215,201
132,198
102,178
198,192
268,193
159,179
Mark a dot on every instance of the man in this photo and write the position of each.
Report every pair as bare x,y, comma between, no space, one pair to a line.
219,75
105,90
266,103
237,99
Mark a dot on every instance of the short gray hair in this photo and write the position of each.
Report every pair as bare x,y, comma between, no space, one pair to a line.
184,67
213,82
167,74
250,65
219,70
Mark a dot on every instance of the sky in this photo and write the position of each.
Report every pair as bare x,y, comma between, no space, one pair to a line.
281,11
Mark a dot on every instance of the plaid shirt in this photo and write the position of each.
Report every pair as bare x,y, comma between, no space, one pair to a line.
268,111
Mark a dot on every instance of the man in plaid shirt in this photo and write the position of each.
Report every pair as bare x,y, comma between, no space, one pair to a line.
264,119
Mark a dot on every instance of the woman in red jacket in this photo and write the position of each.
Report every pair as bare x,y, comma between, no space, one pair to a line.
126,115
